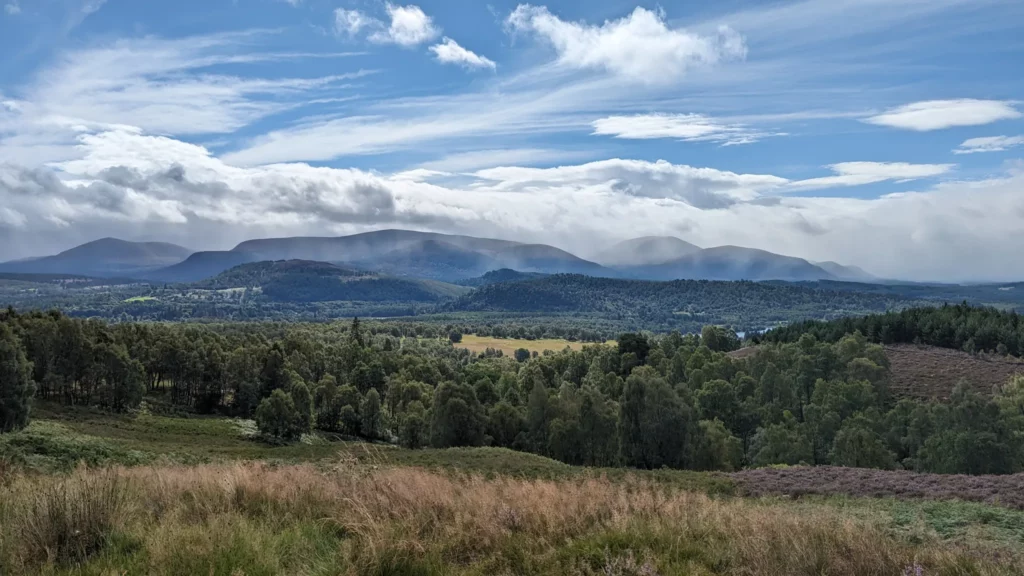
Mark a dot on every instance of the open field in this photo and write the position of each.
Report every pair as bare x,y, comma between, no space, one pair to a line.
931,372
478,344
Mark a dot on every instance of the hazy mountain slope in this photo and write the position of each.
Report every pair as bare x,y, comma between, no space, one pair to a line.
846,273
104,257
358,247
646,251
307,281
730,263
199,266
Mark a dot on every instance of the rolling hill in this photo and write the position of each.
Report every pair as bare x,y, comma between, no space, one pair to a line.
729,263
200,266
105,257
307,281
646,251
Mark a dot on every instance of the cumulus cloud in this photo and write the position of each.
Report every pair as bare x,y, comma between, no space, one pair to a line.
449,52
860,173
409,26
988,144
688,127
940,114
640,46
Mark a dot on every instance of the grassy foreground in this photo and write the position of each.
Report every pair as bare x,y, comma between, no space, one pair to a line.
83,493
253,518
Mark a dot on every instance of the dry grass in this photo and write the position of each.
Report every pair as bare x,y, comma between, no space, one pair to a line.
351,519
478,344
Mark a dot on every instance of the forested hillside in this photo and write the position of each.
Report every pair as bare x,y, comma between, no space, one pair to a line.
304,281
663,306
961,327
648,402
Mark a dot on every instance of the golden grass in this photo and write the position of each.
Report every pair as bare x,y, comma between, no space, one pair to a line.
351,519
478,344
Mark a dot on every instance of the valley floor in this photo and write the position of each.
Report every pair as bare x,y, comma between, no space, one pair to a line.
167,495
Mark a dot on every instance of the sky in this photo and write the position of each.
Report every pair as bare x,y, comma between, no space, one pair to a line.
887,134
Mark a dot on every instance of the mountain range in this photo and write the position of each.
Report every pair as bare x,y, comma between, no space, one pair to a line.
444,257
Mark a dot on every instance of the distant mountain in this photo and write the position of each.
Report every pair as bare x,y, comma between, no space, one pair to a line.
846,273
199,266
359,247
730,263
105,257
308,281
444,257
503,275
646,251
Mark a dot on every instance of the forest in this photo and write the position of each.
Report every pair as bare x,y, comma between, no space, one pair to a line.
819,396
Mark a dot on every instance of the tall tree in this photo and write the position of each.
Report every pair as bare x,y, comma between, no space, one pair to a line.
16,386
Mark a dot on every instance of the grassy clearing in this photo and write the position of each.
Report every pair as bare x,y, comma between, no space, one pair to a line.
477,344
351,519
140,299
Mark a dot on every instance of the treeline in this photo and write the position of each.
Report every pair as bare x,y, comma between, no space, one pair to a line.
684,305
961,327
674,400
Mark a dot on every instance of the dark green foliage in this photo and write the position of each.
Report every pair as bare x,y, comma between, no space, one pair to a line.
719,339
652,401
959,327
16,386
858,444
717,448
458,417
277,416
635,344
369,412
657,428
413,429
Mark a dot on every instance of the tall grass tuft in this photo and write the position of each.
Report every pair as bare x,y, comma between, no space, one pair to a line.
69,520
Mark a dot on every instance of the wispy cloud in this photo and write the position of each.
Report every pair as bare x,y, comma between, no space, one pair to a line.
12,8
449,52
687,127
860,173
940,114
158,86
988,144
407,26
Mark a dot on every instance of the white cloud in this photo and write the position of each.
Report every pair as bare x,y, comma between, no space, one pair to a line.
409,26
699,187
689,127
988,144
352,22
859,173
939,114
12,8
640,46
449,52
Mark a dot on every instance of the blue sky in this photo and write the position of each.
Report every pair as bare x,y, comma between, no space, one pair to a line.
887,134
